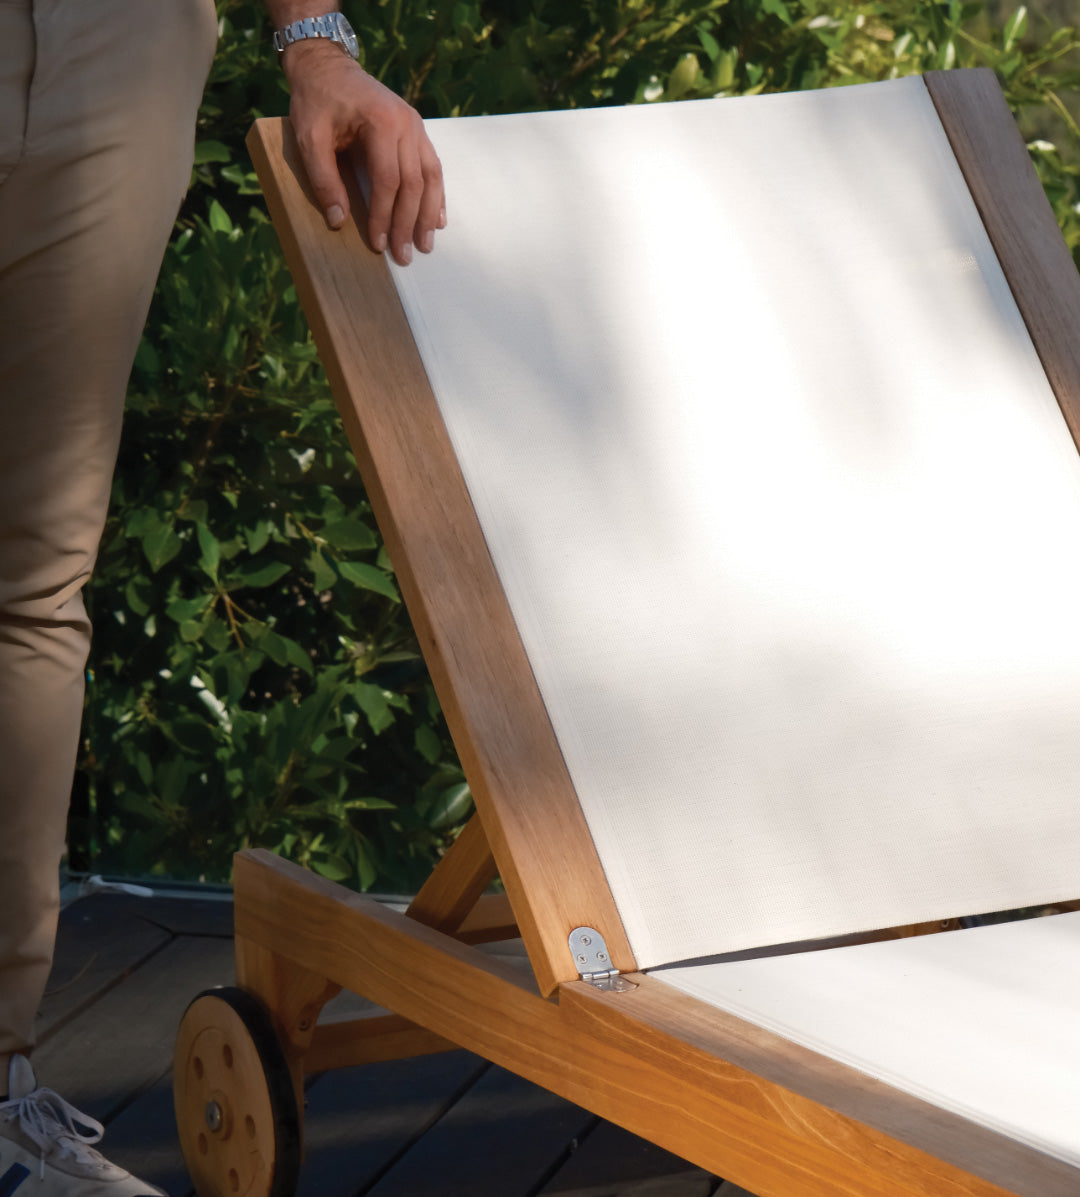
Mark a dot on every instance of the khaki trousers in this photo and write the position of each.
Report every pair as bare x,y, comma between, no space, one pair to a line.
98,100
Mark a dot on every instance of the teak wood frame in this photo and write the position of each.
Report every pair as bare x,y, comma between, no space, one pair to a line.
773,1117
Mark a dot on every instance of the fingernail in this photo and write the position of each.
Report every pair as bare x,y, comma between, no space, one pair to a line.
335,216
380,243
406,253
442,218
427,241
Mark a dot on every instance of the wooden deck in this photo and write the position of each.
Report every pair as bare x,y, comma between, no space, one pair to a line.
450,1125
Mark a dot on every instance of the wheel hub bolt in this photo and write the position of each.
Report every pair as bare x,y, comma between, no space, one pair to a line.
213,1116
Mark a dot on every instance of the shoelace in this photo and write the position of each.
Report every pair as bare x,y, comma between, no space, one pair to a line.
45,1118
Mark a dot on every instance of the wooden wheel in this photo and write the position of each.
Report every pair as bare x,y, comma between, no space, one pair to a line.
235,1105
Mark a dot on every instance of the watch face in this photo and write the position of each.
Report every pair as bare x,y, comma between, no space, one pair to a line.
348,37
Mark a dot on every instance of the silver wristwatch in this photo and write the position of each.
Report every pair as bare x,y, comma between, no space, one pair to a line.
331,25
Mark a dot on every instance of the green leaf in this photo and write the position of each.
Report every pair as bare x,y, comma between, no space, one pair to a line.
724,70
331,865
777,8
257,536
274,646
683,77
295,655
324,576
1015,27
451,807
427,743
196,511
190,630
146,358
258,573
181,609
365,870
137,593
216,633
369,577
144,769
708,43
372,700
141,520
211,550
161,546
219,218
368,804
348,535
211,151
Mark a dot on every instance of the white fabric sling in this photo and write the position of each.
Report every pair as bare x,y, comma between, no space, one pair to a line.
980,1022
782,503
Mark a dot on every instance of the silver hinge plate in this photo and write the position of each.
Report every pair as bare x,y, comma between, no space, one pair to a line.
593,963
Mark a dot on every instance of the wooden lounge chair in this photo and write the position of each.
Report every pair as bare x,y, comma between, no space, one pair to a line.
741,544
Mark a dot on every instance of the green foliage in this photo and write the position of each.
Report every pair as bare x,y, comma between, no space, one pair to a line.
254,677
250,640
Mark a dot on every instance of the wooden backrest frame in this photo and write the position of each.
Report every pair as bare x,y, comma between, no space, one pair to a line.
523,793
526,801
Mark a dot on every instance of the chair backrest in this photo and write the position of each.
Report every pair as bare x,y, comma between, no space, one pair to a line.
782,502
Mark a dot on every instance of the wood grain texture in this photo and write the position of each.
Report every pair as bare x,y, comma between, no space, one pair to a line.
293,997
458,881
490,920
1019,221
716,1091
500,726
220,1064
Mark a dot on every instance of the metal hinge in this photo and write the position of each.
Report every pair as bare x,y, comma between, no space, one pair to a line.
593,962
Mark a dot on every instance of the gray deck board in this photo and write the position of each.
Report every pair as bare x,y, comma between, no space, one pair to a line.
359,1121
503,1133
448,1125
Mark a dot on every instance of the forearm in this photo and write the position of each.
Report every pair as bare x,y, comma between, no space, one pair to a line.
284,12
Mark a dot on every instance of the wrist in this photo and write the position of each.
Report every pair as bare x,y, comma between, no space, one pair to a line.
301,57
329,27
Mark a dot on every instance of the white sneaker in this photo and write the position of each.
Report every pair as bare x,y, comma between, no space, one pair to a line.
44,1142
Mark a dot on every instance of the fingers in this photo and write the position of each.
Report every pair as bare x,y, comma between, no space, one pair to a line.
384,173
407,199
433,201
320,161
407,202
336,106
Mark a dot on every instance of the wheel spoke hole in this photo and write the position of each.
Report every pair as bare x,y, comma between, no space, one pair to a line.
226,1055
197,1066
234,1180
204,1146
249,1126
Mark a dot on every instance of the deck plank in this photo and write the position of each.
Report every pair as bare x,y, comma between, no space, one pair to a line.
499,1140
122,1044
359,1121
143,1139
611,1162
99,942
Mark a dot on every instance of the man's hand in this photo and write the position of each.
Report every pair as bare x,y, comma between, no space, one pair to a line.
336,106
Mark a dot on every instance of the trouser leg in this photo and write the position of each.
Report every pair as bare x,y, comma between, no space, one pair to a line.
85,214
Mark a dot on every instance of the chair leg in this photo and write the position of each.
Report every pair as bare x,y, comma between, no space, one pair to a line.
292,996
457,882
